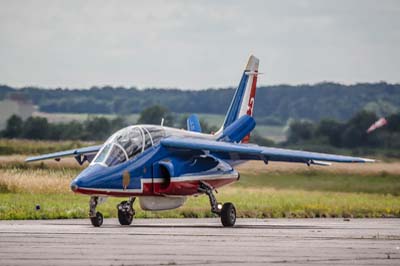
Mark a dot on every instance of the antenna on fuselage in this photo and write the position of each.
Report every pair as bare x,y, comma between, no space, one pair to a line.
162,121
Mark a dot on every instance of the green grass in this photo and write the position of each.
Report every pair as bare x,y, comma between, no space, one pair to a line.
258,203
276,194
318,180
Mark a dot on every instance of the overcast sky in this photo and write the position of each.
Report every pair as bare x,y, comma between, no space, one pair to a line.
197,44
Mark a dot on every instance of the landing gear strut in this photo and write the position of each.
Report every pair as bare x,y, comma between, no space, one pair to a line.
227,212
95,217
126,211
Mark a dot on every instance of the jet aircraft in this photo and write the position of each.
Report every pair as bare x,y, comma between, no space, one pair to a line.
162,166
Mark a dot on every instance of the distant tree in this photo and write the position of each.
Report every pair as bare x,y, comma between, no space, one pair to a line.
393,123
73,131
36,128
331,129
14,127
354,131
118,123
66,131
97,128
300,131
274,104
100,128
257,139
207,128
154,114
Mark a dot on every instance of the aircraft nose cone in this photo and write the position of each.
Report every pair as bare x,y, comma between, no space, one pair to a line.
87,179
74,186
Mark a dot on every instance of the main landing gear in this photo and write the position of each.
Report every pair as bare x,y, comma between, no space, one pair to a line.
227,212
126,211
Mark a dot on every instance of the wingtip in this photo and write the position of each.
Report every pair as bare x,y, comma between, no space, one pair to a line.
366,160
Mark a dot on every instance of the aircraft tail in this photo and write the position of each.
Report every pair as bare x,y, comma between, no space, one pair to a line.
243,100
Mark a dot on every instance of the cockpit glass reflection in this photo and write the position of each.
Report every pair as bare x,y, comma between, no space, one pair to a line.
116,156
127,143
131,140
102,154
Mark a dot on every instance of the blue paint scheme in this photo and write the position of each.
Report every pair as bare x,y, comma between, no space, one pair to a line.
180,163
236,131
233,151
98,176
193,123
234,108
167,164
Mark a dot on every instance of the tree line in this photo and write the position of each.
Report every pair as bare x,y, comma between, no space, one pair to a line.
94,128
38,128
350,134
274,104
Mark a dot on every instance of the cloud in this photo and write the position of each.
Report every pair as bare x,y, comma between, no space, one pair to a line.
196,44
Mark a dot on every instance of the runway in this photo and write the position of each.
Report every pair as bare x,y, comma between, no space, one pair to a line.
201,241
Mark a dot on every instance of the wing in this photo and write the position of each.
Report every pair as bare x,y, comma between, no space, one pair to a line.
81,155
234,151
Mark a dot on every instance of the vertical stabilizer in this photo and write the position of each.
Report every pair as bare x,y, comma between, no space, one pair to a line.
243,100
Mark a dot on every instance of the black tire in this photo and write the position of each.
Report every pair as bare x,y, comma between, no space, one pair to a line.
124,218
97,221
228,215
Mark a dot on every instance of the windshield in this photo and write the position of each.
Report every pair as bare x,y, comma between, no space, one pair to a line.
116,156
121,146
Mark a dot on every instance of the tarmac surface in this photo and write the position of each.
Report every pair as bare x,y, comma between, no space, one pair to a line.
201,241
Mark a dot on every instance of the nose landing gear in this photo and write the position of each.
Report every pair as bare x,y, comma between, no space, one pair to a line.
227,212
126,211
95,217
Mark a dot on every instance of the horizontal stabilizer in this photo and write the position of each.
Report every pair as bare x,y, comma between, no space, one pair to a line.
193,123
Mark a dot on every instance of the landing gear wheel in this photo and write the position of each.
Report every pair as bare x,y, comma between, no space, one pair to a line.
228,215
95,217
124,218
97,220
227,212
126,212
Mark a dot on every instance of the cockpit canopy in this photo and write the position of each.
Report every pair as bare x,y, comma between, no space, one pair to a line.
127,143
